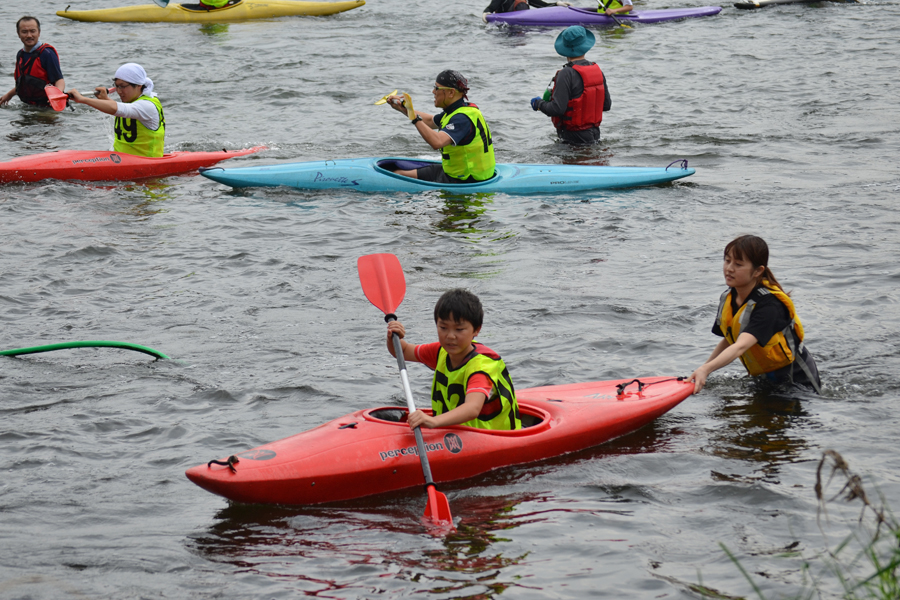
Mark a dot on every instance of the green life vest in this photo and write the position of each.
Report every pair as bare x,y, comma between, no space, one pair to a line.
215,3
602,6
132,137
475,159
448,390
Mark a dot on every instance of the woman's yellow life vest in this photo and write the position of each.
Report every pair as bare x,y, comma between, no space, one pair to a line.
448,390
132,137
475,159
779,352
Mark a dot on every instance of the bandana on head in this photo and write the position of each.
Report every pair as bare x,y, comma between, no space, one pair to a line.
134,73
453,79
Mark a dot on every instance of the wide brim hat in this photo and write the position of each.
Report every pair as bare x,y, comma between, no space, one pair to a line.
574,41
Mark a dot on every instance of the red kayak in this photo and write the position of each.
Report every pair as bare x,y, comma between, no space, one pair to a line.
94,165
373,451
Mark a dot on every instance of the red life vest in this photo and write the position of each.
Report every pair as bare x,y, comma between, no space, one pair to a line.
586,110
31,77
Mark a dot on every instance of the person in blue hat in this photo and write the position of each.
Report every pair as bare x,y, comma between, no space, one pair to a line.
579,94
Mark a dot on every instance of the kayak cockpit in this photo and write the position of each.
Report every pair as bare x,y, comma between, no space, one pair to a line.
390,165
531,417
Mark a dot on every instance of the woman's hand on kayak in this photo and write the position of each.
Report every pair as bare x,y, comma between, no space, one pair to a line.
699,378
420,419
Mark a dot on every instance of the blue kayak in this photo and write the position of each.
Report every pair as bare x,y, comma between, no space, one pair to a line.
376,175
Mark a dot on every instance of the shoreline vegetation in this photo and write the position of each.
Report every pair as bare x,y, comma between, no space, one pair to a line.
865,563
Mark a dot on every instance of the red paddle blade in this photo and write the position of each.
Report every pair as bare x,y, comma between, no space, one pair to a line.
382,280
438,508
57,98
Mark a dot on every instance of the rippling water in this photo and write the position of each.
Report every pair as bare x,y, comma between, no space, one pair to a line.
790,115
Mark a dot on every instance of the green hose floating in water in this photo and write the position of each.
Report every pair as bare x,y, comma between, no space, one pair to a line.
89,344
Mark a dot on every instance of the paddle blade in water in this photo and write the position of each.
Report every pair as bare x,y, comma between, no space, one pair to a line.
57,98
382,280
438,508
162,3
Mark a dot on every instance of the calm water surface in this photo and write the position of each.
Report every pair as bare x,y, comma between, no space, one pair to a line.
790,116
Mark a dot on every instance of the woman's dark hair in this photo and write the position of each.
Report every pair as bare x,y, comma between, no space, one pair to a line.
754,249
461,305
28,18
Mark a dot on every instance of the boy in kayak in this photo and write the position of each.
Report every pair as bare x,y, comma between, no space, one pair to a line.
140,126
460,133
579,94
37,66
471,384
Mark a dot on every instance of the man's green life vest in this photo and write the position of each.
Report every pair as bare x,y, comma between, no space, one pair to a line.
475,159
132,137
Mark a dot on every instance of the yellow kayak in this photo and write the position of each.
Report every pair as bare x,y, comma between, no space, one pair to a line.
241,11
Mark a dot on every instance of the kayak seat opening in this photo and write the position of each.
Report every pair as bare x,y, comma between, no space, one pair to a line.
206,8
529,420
399,415
393,164
394,415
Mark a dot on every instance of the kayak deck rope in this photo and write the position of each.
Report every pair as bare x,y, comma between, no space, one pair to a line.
620,389
681,161
86,344
232,460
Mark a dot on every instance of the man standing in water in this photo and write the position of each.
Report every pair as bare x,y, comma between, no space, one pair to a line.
37,66
460,133
579,94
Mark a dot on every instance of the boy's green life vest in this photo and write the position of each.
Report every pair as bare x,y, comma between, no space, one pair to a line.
216,3
132,137
475,159
448,390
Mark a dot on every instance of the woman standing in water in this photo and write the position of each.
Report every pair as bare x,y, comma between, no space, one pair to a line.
757,322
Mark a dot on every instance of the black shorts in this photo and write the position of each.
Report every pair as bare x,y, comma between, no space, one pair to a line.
436,174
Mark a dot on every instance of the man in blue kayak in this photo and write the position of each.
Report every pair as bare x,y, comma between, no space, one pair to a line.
579,94
503,6
459,132
37,66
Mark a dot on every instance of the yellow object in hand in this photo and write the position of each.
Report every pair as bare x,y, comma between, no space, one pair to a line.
385,99
410,111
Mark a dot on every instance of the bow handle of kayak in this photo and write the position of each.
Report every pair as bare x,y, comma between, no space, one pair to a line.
620,389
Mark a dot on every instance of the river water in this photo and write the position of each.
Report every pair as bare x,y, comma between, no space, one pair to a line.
790,116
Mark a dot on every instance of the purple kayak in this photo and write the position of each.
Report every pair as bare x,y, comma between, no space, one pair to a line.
563,16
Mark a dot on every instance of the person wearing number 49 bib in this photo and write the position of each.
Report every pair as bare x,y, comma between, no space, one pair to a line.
140,126
460,133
